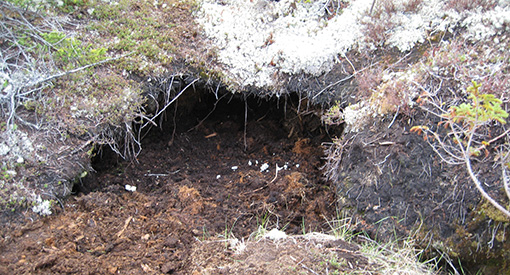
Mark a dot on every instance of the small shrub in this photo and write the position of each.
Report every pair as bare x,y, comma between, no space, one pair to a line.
465,5
482,109
67,6
469,135
69,52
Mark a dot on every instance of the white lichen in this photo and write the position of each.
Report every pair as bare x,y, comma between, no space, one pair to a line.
16,145
408,32
356,116
258,39
42,207
481,25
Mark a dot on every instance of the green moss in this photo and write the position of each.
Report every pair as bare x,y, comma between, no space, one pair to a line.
486,209
140,27
334,115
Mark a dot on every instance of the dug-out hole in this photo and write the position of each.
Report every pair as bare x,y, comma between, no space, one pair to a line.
227,158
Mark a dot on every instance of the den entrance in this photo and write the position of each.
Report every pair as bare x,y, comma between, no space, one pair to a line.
228,164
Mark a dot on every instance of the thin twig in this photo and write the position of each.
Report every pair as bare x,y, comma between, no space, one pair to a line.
371,8
276,173
343,80
169,103
77,69
396,114
304,266
492,140
209,114
334,84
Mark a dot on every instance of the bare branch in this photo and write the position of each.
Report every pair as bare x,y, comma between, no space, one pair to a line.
505,182
151,121
478,185
51,77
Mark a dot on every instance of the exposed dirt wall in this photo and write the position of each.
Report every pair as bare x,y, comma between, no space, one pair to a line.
398,187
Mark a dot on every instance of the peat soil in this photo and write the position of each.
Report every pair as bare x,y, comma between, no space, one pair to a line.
198,183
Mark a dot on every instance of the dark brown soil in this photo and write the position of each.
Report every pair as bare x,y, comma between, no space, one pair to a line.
197,181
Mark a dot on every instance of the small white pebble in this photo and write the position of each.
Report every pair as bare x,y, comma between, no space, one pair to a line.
218,177
20,160
234,168
264,167
256,162
285,167
250,163
130,188
297,165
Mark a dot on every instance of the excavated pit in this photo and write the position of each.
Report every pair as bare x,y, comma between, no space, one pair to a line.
225,160
210,172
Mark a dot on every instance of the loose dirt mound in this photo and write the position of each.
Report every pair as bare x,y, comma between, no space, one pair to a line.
311,253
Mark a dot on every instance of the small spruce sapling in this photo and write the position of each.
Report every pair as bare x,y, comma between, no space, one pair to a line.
463,140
